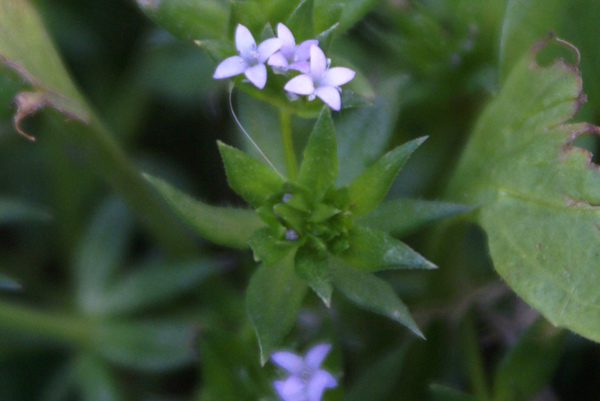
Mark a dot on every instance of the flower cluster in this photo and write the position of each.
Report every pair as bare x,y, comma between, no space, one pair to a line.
317,79
307,381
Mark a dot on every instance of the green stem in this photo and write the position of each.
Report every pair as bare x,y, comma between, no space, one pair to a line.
474,361
291,164
51,325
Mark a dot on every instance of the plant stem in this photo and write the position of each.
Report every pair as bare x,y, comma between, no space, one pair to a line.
51,325
291,164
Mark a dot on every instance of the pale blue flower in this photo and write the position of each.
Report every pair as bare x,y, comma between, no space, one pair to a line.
307,381
290,56
321,81
251,59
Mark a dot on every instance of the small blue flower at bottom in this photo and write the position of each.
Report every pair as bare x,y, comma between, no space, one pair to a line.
307,381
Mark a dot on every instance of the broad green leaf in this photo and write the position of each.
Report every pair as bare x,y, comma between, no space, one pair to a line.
314,268
402,216
26,48
372,250
377,381
526,22
146,345
326,13
189,20
248,13
539,194
273,299
8,284
300,21
102,250
371,293
95,379
222,225
443,393
530,363
252,180
366,131
154,283
369,188
320,164
15,211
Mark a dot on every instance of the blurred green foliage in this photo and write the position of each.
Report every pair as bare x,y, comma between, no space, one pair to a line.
106,295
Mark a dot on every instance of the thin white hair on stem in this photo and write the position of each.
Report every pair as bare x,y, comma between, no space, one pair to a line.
231,86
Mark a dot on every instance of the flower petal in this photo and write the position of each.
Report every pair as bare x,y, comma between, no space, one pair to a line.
267,48
244,42
278,60
330,95
320,380
288,361
303,49
318,62
290,389
229,67
288,44
302,66
300,85
337,76
257,75
316,355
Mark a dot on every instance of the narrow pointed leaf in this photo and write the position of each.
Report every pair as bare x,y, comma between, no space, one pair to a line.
252,180
154,284
273,299
319,165
372,293
530,363
95,379
315,270
101,252
539,193
222,225
372,250
370,187
146,345
402,216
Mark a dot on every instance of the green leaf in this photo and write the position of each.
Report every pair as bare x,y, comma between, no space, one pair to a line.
314,268
222,225
443,393
101,252
352,11
15,211
189,20
402,216
372,250
369,188
8,284
320,164
154,283
300,21
146,345
530,363
252,180
539,194
366,131
268,249
273,299
526,22
371,293
326,13
25,48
